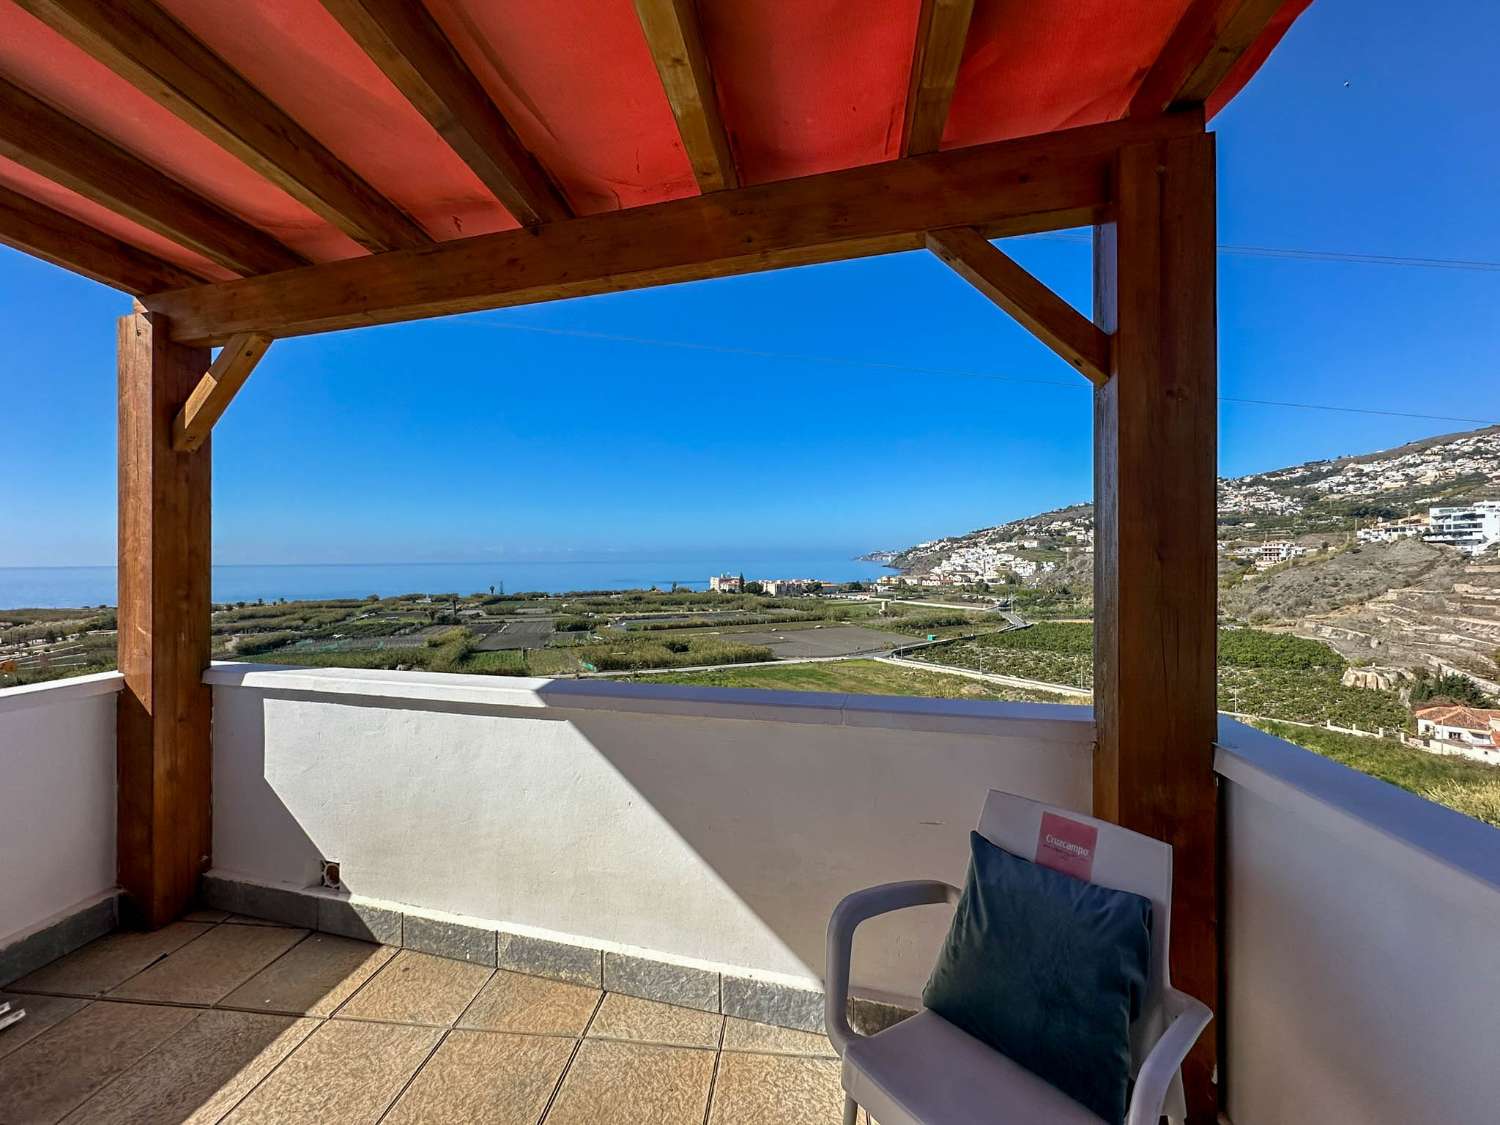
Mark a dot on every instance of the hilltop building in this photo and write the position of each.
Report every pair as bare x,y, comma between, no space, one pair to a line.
1472,528
1388,531
1267,555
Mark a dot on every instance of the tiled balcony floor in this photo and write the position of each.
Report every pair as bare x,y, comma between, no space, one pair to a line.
216,1019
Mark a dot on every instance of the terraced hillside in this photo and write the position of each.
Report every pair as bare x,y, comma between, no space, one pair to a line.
1448,620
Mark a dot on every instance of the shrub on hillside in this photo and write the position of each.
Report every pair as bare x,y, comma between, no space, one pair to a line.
1452,687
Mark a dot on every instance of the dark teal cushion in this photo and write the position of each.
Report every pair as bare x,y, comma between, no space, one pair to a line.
1048,970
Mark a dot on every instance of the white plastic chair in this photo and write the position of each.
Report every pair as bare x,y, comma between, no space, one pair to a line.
925,1071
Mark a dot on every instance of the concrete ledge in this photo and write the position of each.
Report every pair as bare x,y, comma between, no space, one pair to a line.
59,936
1428,841
544,699
632,973
68,690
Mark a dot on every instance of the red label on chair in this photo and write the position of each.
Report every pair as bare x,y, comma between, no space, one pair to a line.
1067,846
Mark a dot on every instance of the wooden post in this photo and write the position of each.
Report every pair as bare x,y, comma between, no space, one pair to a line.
163,755
1154,554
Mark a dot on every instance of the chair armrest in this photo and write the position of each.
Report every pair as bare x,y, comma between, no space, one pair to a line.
846,917
1189,1018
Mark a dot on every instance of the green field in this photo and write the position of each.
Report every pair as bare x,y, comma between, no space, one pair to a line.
859,677
622,631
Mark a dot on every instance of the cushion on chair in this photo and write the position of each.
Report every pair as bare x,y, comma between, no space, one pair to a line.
1050,971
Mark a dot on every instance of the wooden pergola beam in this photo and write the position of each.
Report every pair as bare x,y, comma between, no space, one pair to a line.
48,234
1203,48
164,754
403,39
1012,187
942,30
53,145
676,44
158,56
1033,305
1155,586
214,392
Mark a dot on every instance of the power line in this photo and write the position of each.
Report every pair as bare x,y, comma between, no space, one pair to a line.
1300,255
844,361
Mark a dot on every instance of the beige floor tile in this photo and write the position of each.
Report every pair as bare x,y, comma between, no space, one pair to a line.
747,1035
109,961
776,1090
197,1075
344,1073
313,978
517,1002
211,967
418,988
484,1078
633,1084
646,1021
48,1077
205,914
41,1013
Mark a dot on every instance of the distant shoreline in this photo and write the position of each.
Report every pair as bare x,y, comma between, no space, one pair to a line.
80,586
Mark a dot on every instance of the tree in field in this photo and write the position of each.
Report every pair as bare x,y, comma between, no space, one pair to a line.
1451,687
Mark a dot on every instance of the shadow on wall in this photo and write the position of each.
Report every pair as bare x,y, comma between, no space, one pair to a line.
645,818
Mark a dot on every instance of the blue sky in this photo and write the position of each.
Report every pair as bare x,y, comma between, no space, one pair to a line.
540,433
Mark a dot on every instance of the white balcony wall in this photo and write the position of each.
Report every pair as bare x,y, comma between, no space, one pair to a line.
1363,984
57,800
719,828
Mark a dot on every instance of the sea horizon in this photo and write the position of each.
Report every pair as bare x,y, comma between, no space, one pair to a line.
56,587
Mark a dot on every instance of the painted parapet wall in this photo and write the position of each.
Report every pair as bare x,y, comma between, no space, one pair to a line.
1362,981
57,814
717,827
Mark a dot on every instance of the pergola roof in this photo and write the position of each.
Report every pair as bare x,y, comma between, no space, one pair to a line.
206,140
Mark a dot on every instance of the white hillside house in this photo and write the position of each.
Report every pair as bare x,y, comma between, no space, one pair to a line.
1472,528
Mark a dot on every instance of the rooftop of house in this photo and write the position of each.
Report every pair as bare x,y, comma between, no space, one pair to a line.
1455,715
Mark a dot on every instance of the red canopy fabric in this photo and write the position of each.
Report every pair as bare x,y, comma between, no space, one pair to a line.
804,86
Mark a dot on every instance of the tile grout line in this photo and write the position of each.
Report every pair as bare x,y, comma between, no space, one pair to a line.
208,928
132,1067
241,984
572,1057
389,961
713,1078
405,1086
266,1077
458,1019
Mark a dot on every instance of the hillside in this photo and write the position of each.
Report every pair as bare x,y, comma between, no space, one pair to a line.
1319,502
1401,605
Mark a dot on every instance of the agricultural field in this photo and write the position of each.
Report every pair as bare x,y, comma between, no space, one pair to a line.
1055,652
860,677
47,644
516,635
1273,675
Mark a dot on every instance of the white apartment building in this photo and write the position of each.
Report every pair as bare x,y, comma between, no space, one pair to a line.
724,584
1267,555
1389,531
1469,527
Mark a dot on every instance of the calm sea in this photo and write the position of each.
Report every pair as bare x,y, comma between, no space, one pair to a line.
95,585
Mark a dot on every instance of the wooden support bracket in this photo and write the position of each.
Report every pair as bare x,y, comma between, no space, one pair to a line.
1039,310
220,383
